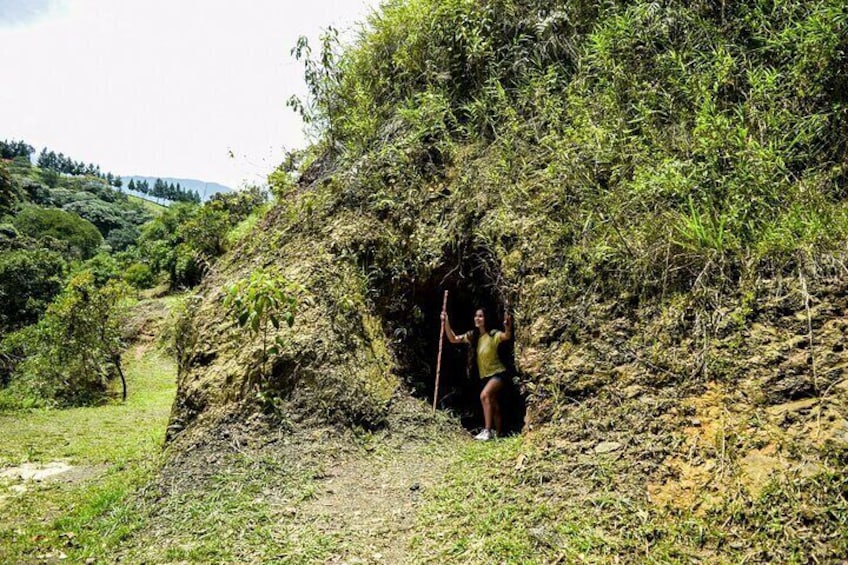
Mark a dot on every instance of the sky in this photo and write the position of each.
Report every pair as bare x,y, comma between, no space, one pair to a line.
168,88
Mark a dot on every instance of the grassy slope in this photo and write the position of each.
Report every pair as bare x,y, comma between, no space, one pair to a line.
149,205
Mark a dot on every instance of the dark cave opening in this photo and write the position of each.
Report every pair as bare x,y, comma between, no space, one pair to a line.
471,283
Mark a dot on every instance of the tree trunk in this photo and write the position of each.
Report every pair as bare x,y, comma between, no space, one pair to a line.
116,359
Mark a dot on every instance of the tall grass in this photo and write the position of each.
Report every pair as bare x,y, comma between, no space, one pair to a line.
727,120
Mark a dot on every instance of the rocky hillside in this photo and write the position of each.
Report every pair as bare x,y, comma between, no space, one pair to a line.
657,189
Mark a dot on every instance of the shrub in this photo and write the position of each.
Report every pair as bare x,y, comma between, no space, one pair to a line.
261,304
140,276
240,204
122,238
104,267
8,190
184,241
105,215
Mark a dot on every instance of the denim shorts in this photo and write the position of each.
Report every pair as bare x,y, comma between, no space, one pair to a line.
499,376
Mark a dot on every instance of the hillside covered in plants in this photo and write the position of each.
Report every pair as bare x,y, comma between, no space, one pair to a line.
658,191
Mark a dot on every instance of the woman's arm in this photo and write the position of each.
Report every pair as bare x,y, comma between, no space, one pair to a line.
452,337
507,333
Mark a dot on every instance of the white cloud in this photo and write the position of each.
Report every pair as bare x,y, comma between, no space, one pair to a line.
163,88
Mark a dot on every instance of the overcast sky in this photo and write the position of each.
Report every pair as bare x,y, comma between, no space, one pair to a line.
161,87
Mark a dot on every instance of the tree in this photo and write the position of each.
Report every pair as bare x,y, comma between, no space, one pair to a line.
120,239
80,237
29,281
8,191
13,149
78,343
106,216
159,188
165,248
139,276
206,231
323,79
239,204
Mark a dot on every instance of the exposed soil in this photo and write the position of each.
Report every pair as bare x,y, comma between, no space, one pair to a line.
373,500
24,478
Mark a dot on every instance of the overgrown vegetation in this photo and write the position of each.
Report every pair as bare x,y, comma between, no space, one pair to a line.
627,151
648,145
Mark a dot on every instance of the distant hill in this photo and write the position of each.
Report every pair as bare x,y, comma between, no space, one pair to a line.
203,188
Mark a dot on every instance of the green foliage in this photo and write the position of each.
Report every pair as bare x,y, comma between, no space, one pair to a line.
122,238
187,238
261,304
205,231
166,250
240,204
139,275
79,237
322,77
8,190
8,233
13,149
103,267
29,280
105,215
645,142
73,352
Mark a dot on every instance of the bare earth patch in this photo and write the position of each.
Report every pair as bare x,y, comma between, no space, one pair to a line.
374,501
35,471
18,480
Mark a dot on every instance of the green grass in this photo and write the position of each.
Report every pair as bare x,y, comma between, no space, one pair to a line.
295,495
103,434
149,205
509,502
246,226
116,446
485,513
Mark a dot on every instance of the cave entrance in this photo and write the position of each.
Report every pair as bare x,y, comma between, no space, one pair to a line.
471,284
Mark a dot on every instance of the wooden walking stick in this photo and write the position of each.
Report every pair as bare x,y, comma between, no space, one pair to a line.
439,358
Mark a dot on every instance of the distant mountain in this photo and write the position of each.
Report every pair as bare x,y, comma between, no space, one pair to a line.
203,188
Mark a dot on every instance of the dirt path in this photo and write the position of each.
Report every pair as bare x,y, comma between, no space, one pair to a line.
372,501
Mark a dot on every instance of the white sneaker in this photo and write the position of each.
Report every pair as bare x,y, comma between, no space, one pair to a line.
485,435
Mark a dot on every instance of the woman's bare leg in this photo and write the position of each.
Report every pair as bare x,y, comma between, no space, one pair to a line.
491,407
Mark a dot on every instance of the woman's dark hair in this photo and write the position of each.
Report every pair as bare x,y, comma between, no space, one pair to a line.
472,369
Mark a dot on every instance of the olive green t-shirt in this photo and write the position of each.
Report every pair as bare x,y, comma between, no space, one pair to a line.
488,362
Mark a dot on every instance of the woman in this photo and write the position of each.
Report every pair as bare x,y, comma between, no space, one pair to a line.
484,353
